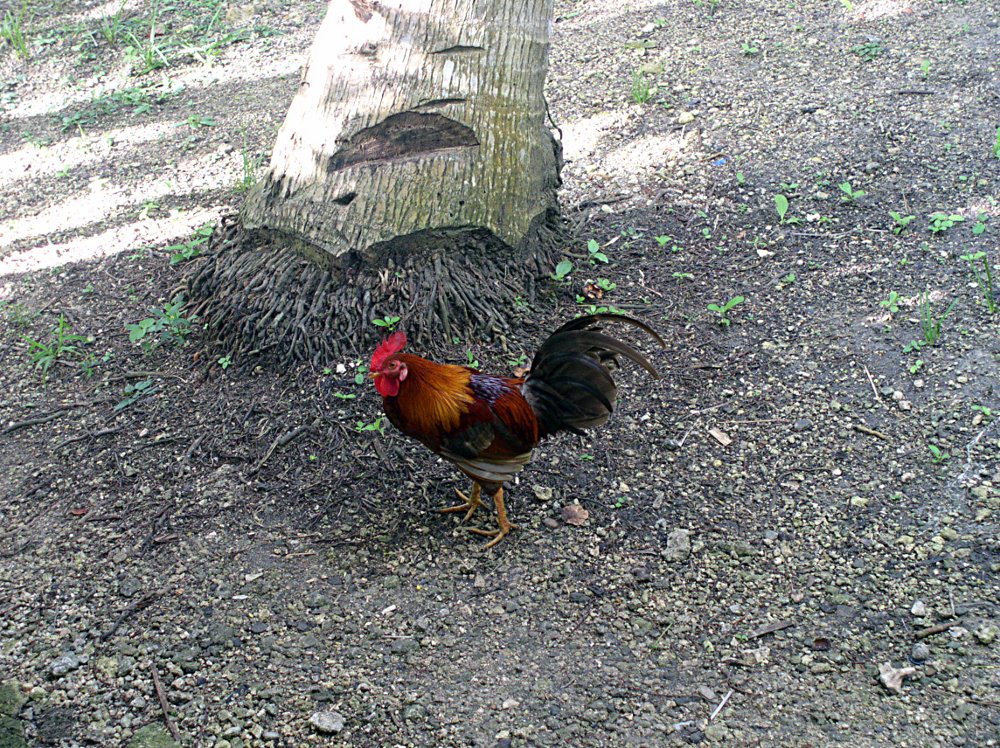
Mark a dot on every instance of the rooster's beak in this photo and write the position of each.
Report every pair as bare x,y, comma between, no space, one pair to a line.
372,374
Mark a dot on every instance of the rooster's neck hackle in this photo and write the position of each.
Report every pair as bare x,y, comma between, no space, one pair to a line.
433,396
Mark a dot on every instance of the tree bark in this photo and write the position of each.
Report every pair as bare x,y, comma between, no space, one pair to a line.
414,175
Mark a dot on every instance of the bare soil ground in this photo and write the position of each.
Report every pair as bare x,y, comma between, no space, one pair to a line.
217,547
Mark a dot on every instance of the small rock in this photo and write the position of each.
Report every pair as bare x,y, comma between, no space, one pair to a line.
678,546
542,493
327,723
64,663
919,609
803,424
551,523
415,713
404,645
892,677
920,652
985,634
153,735
685,118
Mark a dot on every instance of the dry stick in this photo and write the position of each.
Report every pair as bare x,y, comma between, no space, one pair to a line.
281,441
770,629
872,382
872,432
936,629
162,697
133,608
715,712
42,419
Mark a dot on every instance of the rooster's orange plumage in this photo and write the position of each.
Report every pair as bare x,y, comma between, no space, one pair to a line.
488,425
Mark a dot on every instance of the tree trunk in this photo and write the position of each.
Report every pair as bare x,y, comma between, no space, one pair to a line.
414,175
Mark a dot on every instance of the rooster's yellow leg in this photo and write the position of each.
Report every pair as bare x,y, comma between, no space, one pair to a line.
469,507
505,526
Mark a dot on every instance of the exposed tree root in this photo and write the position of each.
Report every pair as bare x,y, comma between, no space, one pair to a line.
257,293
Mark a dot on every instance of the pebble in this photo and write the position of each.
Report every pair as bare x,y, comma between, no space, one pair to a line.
685,118
327,722
678,546
920,652
542,493
64,663
986,634
405,645
919,609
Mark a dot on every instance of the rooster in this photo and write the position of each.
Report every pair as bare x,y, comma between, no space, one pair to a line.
489,425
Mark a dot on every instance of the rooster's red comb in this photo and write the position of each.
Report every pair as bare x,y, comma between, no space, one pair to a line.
388,347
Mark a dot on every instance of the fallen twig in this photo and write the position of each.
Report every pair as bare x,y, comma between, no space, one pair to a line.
770,629
872,382
45,418
281,441
935,629
162,697
133,608
872,432
715,712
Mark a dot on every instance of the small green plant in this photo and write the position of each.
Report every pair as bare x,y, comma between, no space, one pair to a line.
850,194
789,279
167,325
941,222
387,321
518,363
925,68
781,206
361,374
12,30
900,222
196,120
192,248
564,268
605,285
938,455
983,409
595,253
741,178
930,324
891,302
63,345
225,361
868,51
749,48
344,395
984,279
723,310
913,346
111,26
996,144
586,457
251,165
471,359
640,89
682,276
134,391
664,240
916,366
375,425
979,227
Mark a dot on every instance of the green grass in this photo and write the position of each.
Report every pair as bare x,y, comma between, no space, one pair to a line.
12,30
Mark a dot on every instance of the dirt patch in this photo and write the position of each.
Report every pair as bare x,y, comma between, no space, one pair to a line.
806,494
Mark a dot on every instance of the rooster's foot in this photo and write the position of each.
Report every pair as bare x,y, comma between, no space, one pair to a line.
469,507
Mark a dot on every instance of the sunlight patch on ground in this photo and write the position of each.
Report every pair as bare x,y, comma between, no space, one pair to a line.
103,199
32,162
580,138
872,10
129,236
650,152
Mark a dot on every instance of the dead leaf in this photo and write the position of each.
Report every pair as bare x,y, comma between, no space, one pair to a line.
521,371
892,677
574,514
720,436
79,512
